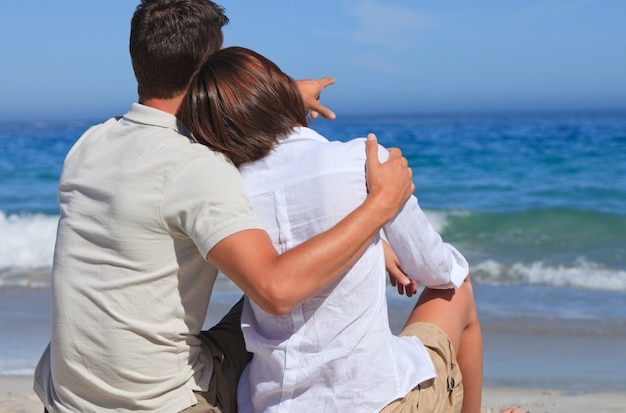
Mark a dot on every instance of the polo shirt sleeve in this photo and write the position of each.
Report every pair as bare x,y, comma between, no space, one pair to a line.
205,200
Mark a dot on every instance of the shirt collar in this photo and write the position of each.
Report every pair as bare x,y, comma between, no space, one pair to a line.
147,115
303,133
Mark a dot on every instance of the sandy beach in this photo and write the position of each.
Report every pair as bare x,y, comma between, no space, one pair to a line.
17,396
539,368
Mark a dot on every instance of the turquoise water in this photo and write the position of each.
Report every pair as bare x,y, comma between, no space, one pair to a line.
536,202
530,199
537,199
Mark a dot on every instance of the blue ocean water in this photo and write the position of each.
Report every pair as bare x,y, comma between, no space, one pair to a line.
537,202
530,199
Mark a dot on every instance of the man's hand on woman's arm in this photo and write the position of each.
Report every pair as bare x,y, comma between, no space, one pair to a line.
390,184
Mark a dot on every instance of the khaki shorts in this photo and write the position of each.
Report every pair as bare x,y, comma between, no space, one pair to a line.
227,347
442,394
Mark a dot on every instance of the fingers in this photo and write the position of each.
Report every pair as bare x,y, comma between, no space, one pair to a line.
371,150
318,109
398,276
326,81
311,91
395,154
389,183
409,289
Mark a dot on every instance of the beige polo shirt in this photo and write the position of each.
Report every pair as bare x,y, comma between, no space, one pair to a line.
141,205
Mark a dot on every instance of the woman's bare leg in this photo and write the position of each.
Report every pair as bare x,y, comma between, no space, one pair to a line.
454,311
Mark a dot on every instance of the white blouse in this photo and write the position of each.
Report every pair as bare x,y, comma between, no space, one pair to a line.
335,351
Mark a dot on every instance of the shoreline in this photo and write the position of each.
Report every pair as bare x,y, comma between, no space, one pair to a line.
17,396
545,364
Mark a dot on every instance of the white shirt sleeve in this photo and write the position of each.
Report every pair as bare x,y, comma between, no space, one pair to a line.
423,255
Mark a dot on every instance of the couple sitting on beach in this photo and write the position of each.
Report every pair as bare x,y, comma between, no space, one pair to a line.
148,216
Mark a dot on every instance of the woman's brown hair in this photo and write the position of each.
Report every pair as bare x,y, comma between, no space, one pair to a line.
239,103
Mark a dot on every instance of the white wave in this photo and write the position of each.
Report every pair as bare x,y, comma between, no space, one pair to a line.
27,241
27,246
438,219
580,274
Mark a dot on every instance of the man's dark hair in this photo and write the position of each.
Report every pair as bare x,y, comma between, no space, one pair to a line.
239,103
168,41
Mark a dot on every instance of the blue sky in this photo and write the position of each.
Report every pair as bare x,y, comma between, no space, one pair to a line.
69,59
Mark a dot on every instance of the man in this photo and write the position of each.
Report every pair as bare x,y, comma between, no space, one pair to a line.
148,216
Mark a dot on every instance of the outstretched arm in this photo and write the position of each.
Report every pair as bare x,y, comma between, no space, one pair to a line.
279,282
311,90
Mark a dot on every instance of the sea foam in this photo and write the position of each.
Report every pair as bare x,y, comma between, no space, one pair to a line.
27,241
580,274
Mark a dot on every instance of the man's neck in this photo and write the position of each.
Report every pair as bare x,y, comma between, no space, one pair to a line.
166,105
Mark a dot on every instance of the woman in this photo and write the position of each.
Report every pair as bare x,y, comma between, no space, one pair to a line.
334,352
